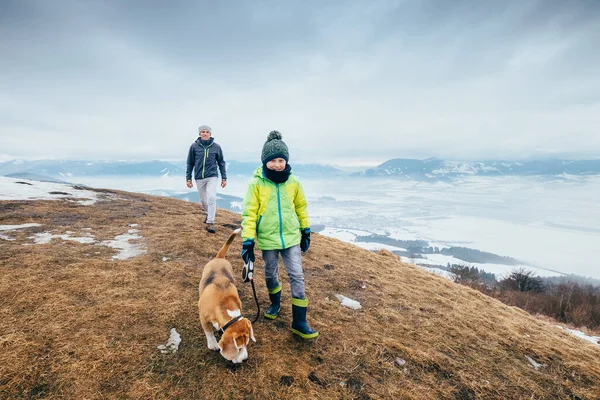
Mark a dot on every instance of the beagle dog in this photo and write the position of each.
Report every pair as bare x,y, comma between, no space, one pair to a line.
220,308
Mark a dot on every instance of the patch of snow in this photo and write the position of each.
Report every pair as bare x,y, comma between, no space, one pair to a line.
12,227
400,362
534,363
5,228
87,202
10,189
582,335
236,205
133,225
172,344
122,242
436,271
347,302
80,239
42,238
165,259
46,237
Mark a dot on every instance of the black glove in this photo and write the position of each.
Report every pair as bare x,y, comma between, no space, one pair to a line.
305,240
248,251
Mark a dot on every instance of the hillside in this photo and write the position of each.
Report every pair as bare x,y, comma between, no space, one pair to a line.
79,323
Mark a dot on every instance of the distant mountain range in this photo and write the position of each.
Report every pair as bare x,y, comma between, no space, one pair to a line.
436,169
432,169
68,169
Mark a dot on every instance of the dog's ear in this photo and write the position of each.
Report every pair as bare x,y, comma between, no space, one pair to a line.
251,331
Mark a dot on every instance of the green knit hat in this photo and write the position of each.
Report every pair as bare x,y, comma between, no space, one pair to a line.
274,147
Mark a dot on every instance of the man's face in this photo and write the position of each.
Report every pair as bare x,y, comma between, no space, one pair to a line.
204,134
276,164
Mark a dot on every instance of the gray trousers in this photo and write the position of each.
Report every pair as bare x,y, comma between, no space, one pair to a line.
292,261
207,191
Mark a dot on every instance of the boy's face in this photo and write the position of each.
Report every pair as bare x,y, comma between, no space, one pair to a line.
276,164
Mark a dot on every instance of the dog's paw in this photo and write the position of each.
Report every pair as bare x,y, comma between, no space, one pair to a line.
212,345
211,341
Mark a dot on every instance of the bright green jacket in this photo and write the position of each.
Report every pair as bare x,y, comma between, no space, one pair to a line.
274,213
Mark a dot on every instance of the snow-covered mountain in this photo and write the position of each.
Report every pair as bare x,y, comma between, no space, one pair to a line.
437,169
432,169
66,169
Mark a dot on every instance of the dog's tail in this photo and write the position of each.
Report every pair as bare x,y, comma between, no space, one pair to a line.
223,251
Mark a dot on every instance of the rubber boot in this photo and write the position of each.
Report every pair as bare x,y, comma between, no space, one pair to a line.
299,325
275,297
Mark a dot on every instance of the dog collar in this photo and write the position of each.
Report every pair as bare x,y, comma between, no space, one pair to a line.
227,325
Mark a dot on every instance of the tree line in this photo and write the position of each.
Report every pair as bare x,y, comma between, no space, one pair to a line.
561,298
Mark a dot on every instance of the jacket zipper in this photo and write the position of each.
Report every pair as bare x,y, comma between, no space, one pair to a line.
204,160
280,218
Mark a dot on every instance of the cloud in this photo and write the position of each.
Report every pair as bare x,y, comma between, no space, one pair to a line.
341,80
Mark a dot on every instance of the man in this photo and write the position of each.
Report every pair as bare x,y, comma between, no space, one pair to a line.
205,158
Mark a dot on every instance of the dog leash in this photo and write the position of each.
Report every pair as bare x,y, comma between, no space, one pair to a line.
248,276
256,300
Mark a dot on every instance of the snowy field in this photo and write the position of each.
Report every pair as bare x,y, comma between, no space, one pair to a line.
127,243
552,225
548,225
15,189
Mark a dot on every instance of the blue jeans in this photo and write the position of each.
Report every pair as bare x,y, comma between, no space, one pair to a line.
292,261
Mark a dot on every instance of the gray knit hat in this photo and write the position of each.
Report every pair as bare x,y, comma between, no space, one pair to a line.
274,147
204,128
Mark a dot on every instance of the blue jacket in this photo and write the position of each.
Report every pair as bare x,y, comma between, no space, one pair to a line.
205,160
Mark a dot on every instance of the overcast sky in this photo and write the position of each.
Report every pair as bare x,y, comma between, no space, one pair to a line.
344,81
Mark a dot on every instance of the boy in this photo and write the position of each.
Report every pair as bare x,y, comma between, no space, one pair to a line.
275,214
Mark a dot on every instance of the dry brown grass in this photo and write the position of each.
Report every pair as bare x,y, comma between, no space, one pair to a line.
76,324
